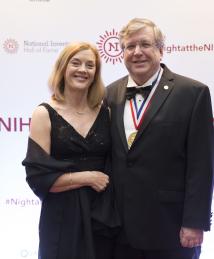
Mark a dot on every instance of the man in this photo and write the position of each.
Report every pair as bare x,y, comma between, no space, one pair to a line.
162,152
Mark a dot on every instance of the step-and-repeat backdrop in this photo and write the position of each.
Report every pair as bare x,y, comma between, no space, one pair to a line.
32,33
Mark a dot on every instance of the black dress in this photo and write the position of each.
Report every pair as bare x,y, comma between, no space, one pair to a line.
69,219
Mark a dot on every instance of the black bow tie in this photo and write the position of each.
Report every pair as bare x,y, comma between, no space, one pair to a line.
132,91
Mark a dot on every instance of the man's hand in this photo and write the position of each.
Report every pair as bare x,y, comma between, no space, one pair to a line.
191,237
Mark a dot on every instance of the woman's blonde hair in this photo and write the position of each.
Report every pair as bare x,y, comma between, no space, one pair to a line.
57,82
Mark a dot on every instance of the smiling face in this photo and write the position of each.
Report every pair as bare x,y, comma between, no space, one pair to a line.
141,55
80,70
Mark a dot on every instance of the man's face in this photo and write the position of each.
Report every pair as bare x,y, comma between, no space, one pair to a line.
141,55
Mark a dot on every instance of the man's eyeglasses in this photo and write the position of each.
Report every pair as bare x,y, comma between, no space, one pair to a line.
142,45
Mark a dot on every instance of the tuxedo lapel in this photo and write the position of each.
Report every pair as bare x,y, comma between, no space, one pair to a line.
120,110
161,93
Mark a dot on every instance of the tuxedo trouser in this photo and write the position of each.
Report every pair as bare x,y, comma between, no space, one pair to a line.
107,248
122,251
104,247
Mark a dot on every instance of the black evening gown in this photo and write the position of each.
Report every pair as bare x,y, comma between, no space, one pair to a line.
69,219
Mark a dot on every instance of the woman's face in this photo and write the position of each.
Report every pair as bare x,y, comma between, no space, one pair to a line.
80,71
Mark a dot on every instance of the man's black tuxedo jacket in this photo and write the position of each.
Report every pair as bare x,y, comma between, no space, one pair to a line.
165,180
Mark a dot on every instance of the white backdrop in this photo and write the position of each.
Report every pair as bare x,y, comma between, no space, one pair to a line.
32,32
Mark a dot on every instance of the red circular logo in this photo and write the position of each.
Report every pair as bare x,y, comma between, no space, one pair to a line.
109,47
11,46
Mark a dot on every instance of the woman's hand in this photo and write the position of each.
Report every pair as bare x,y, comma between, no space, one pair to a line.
98,180
69,181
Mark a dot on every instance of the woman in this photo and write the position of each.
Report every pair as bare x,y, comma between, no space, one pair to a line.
67,158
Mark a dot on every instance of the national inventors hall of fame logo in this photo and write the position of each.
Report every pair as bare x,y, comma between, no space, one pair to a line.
11,46
109,47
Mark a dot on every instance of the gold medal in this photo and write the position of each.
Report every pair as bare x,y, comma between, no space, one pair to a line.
131,138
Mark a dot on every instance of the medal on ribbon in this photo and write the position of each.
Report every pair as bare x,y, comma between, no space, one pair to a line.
131,138
138,110
137,117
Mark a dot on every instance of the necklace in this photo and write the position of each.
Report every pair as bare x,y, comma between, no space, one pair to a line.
80,113
84,112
